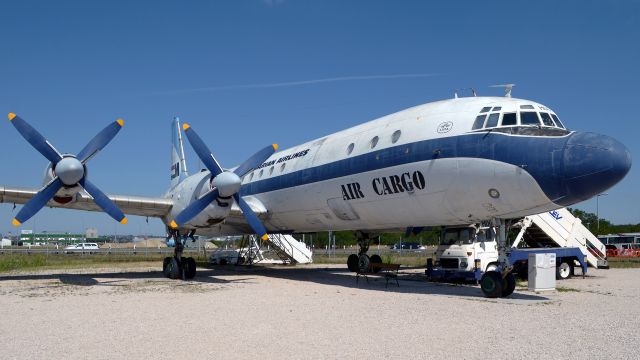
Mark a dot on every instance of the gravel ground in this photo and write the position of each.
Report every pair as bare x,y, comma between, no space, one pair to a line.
311,312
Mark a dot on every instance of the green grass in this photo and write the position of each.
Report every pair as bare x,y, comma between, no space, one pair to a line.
410,259
622,263
566,289
12,262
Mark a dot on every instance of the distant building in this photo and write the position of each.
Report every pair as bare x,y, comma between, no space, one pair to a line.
91,233
49,238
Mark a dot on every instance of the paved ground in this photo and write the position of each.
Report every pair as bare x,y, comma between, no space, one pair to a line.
309,312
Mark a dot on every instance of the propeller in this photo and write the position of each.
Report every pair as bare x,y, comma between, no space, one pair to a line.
224,183
68,170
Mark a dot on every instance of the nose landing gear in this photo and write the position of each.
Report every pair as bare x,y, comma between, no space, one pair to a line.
500,282
361,262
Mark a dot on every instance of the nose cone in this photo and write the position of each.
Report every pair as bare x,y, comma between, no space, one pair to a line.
70,170
592,163
228,183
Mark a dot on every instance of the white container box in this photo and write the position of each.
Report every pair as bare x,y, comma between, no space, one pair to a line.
542,272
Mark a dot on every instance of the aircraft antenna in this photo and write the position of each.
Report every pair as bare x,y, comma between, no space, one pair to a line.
507,88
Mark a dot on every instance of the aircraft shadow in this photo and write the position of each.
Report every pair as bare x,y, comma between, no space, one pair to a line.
409,282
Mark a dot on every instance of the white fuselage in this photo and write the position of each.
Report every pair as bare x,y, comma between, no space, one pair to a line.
370,177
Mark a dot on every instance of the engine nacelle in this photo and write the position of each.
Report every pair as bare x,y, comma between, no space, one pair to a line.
193,188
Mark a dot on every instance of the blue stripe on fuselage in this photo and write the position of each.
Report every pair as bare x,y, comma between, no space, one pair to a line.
540,156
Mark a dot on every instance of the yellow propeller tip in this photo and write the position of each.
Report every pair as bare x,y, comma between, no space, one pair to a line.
265,237
120,122
11,116
124,221
15,222
275,146
185,126
173,224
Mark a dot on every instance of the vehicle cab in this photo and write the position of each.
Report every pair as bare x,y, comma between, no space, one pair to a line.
463,248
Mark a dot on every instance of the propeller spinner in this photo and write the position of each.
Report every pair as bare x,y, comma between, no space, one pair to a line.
224,183
68,170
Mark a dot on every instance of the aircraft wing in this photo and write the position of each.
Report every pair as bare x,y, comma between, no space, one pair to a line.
132,205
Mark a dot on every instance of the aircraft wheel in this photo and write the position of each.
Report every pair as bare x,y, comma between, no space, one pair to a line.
165,263
376,259
508,284
363,263
189,268
352,263
173,269
491,284
564,270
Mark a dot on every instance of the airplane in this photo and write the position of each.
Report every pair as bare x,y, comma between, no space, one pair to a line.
449,162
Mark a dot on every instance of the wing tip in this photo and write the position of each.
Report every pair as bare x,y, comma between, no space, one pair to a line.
11,116
15,222
120,122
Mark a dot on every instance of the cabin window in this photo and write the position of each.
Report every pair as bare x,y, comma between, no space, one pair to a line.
374,142
261,172
350,148
509,119
529,118
396,136
546,119
485,109
282,167
271,170
479,122
555,118
251,176
492,121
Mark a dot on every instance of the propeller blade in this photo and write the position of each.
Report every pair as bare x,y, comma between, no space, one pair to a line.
194,208
202,151
35,138
251,217
103,201
37,202
257,159
100,141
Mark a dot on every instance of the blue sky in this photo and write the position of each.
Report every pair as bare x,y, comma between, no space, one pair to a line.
71,67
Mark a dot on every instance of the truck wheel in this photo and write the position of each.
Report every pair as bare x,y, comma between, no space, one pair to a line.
491,267
564,270
376,259
491,284
508,284
352,263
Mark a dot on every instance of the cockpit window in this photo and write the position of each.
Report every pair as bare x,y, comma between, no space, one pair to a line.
546,119
529,118
493,120
497,108
509,119
479,122
558,123
526,106
485,109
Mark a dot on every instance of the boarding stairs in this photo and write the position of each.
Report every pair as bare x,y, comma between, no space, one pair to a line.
289,249
560,228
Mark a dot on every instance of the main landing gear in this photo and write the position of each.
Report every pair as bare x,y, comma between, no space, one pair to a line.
499,282
176,266
361,263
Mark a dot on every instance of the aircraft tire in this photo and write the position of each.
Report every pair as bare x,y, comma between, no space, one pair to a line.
364,261
352,263
189,268
508,284
376,259
491,284
173,269
165,262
